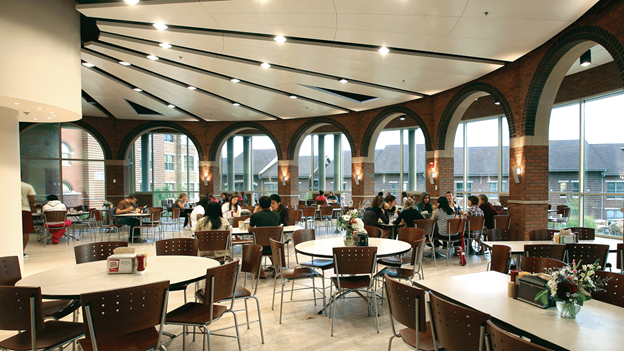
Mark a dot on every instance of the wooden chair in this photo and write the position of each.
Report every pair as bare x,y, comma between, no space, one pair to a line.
99,220
428,225
407,306
354,268
175,220
152,225
372,231
10,274
497,339
221,283
262,236
295,217
562,221
504,235
500,259
620,257
303,235
125,319
177,247
413,263
309,213
555,251
299,273
474,231
22,311
96,251
326,215
215,244
56,220
456,328
409,270
252,262
502,222
614,290
234,221
584,233
588,253
540,264
454,229
542,234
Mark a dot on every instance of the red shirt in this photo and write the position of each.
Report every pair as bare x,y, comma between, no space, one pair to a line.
321,198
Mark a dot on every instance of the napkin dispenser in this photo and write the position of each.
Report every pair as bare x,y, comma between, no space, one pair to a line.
121,263
362,239
529,286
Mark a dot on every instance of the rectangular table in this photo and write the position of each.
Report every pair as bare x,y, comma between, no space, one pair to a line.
597,327
287,229
517,247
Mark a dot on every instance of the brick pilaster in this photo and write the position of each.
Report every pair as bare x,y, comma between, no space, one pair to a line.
209,173
442,164
363,172
117,180
288,174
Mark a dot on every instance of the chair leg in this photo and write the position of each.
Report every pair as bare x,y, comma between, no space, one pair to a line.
282,301
246,313
259,318
237,332
333,312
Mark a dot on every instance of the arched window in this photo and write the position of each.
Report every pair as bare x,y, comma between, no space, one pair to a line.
67,188
66,153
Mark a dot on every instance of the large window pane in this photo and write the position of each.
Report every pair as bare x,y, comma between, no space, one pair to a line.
388,161
82,145
84,183
563,155
41,141
482,157
505,155
44,176
459,164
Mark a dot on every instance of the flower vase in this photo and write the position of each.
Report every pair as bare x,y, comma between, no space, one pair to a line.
349,239
568,309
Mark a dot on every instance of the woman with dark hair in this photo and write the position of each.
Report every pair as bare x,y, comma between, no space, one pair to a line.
198,212
390,205
425,203
404,197
374,213
443,213
231,208
213,219
473,207
409,214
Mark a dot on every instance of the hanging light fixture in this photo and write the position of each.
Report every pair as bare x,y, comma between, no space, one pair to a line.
496,102
586,58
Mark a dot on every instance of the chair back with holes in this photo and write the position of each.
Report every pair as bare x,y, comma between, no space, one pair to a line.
354,259
252,259
584,233
474,224
502,221
115,313
326,211
565,212
620,256
99,216
554,251
426,225
213,240
234,220
542,234
457,328
277,255
540,264
178,247
15,306
308,212
372,231
418,251
402,300
175,213
10,272
614,290
55,217
155,209
504,235
454,226
588,253
263,235
96,251
303,235
410,235
501,340
501,254
221,283
295,216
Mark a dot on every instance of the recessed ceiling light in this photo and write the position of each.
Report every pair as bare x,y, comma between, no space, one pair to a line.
39,108
152,57
402,118
35,119
383,50
171,106
165,45
190,87
293,96
87,64
160,26
132,2
124,63
52,116
49,117
17,103
586,59
496,102
343,81
138,89
234,80
265,65
279,39
236,104
52,112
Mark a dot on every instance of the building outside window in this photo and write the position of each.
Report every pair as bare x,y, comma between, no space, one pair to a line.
168,138
169,162
391,169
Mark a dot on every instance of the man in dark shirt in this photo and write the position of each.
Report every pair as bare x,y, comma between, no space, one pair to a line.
277,207
265,217
488,211
126,206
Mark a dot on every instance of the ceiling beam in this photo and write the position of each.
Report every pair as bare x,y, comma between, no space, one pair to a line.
96,104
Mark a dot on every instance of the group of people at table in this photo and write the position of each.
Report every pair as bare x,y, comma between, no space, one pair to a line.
382,209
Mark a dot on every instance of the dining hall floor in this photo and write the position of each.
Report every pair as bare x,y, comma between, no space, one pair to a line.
302,328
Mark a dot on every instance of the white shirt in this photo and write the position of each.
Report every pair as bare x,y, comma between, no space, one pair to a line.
198,210
226,210
54,205
27,189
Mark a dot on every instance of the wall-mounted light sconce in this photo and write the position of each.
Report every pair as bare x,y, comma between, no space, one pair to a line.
357,179
432,173
586,59
517,174
284,180
206,179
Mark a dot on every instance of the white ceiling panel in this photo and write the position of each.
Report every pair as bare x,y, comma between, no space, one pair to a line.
317,26
551,10
453,8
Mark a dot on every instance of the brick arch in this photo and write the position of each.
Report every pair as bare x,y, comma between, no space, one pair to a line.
221,138
106,150
308,127
563,52
383,118
146,127
459,99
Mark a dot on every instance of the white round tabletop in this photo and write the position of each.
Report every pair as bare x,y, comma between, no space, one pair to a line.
70,281
323,247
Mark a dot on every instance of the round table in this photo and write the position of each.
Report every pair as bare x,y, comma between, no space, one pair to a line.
323,247
68,282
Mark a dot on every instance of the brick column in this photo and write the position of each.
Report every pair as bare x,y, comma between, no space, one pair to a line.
288,173
117,180
362,171
209,178
528,199
442,164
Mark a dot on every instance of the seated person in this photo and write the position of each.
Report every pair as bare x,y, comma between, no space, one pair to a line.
224,198
374,213
55,205
488,211
443,213
390,205
321,199
425,204
473,207
264,216
277,207
409,214
332,198
181,204
454,206
232,208
126,206
199,211
213,220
